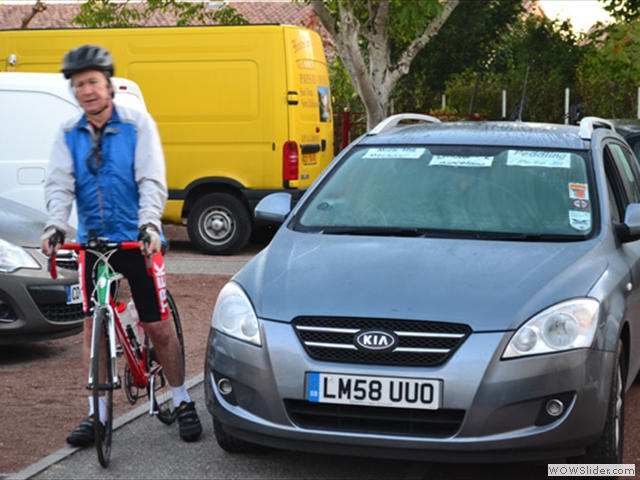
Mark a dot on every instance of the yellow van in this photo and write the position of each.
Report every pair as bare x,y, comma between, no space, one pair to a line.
243,111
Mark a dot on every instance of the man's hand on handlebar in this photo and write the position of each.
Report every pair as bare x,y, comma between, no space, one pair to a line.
51,240
149,240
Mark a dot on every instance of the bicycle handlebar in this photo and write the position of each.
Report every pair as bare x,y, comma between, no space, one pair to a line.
97,245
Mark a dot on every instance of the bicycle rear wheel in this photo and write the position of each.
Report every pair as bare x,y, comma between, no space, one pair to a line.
166,414
102,368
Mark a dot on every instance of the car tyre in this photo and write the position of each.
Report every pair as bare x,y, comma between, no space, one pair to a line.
608,448
231,444
219,224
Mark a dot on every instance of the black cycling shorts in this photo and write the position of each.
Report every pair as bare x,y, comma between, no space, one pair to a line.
148,291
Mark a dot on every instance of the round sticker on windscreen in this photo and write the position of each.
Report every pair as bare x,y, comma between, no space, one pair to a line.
580,204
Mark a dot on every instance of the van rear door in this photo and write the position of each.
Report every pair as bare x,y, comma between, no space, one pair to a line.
309,104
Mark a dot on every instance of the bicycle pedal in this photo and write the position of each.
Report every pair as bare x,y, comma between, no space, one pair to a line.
119,350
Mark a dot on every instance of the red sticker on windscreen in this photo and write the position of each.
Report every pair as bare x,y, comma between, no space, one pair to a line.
580,204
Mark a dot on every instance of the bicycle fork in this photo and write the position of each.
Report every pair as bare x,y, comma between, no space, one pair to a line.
111,353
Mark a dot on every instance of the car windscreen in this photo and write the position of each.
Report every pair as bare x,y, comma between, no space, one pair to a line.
510,193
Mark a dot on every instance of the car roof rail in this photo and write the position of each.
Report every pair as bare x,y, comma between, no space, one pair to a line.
589,124
393,121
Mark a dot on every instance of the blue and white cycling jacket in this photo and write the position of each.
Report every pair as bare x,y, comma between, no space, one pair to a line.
127,190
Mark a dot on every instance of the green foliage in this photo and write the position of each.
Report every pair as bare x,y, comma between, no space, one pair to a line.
105,13
609,75
468,40
409,18
622,10
551,53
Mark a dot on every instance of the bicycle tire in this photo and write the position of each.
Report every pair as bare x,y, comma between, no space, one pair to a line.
100,366
165,414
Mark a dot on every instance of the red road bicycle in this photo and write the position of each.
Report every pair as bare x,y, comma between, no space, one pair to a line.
143,376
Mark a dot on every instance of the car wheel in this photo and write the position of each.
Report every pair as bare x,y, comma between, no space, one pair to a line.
608,448
232,444
219,224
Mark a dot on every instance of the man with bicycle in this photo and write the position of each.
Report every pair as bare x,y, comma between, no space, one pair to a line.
110,161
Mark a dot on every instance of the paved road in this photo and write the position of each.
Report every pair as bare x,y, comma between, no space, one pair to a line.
170,458
206,266
144,448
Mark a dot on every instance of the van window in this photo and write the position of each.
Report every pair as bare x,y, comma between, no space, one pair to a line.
29,121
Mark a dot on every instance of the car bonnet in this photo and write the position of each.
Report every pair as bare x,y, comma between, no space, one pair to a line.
21,225
488,285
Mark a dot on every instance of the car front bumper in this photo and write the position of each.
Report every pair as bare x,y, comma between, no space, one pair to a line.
34,307
502,402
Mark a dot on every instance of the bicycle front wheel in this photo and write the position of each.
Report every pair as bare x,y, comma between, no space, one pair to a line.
103,386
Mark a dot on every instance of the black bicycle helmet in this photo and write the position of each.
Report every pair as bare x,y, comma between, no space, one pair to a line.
87,57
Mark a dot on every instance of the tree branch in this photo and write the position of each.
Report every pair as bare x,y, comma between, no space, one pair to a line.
401,67
39,7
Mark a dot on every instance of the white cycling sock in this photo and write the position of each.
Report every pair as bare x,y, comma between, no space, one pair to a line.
102,406
180,395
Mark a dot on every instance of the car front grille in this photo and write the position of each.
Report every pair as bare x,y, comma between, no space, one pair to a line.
420,343
60,313
67,259
375,420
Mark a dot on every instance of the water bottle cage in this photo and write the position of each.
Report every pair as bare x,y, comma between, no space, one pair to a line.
137,348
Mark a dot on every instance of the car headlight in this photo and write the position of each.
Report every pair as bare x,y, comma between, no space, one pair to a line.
565,326
13,257
234,315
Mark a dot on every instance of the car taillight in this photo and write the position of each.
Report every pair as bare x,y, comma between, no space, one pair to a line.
290,161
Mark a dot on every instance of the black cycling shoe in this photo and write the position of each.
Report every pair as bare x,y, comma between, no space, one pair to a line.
84,435
190,426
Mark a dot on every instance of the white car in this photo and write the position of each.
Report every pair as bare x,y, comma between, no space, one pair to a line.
33,107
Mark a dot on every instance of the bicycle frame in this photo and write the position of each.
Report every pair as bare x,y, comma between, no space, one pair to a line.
102,299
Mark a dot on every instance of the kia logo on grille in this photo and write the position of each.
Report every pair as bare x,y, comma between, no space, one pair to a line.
376,340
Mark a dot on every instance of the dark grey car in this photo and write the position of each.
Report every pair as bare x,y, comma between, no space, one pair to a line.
33,306
446,292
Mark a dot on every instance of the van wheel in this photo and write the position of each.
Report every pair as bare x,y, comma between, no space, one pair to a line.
608,448
219,224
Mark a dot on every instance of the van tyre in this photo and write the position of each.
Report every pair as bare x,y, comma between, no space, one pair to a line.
219,224
231,444
608,448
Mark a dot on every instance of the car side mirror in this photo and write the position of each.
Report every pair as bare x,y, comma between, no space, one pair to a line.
629,231
275,208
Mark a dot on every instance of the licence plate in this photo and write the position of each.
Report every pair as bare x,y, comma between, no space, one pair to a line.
309,159
374,391
74,294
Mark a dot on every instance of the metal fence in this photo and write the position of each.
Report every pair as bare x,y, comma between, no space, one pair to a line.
347,125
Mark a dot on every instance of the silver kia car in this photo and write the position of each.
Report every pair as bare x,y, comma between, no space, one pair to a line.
33,306
445,291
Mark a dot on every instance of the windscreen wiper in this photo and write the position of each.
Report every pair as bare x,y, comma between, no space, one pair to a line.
374,231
